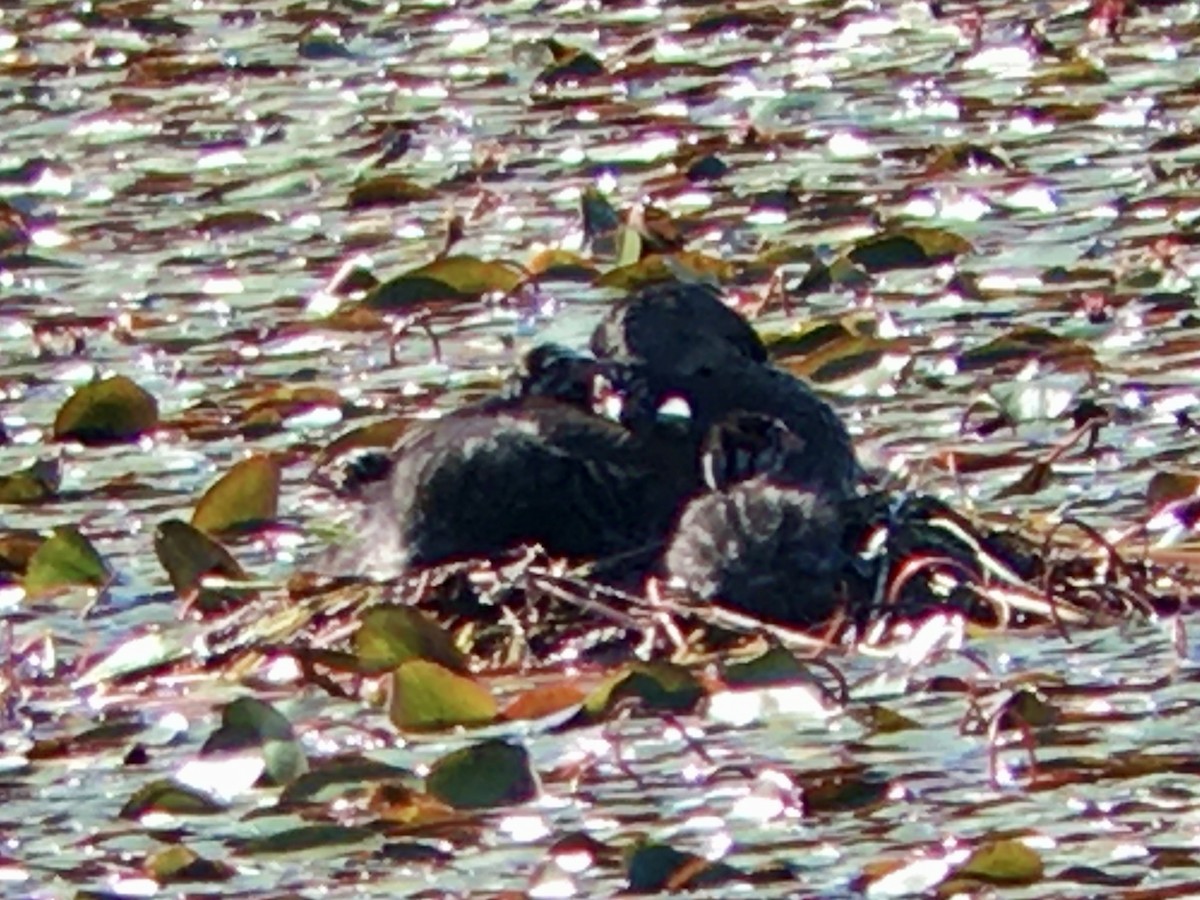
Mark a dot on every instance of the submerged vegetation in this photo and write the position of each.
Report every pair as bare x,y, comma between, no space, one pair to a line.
245,247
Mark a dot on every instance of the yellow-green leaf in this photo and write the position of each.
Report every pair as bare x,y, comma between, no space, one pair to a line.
654,685
250,723
165,795
245,497
391,635
114,409
899,248
188,556
64,559
658,267
177,864
37,482
1003,862
483,776
387,190
452,278
428,697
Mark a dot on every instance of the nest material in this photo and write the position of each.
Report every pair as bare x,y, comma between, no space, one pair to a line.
915,558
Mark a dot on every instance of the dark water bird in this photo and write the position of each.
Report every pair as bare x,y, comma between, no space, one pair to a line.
680,341
754,542
532,465
663,325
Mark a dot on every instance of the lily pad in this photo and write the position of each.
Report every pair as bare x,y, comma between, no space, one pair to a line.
392,635
37,482
1024,343
1002,862
332,777
65,559
901,248
17,549
188,556
658,686
544,702
426,696
251,723
450,278
308,839
108,411
167,796
569,65
775,666
179,864
244,498
561,264
657,268
486,775
359,457
654,868
387,190
1171,487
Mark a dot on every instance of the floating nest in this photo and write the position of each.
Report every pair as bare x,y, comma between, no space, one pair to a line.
915,559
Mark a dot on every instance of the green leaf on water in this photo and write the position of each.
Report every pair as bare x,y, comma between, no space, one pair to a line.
244,498
189,556
107,411
656,868
659,268
391,635
387,190
178,864
308,838
166,796
65,559
333,777
37,482
17,549
248,723
656,686
450,278
569,65
775,666
382,435
426,696
907,247
1002,862
486,775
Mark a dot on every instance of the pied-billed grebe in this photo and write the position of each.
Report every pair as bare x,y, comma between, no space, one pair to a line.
681,341
714,385
661,325
533,465
546,370
755,543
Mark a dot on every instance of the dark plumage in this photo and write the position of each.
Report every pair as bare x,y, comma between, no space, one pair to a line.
680,341
717,386
532,466
557,372
661,325
770,549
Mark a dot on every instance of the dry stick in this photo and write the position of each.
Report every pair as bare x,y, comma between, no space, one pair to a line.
917,564
1116,561
687,739
545,582
419,319
842,697
621,712
1027,741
